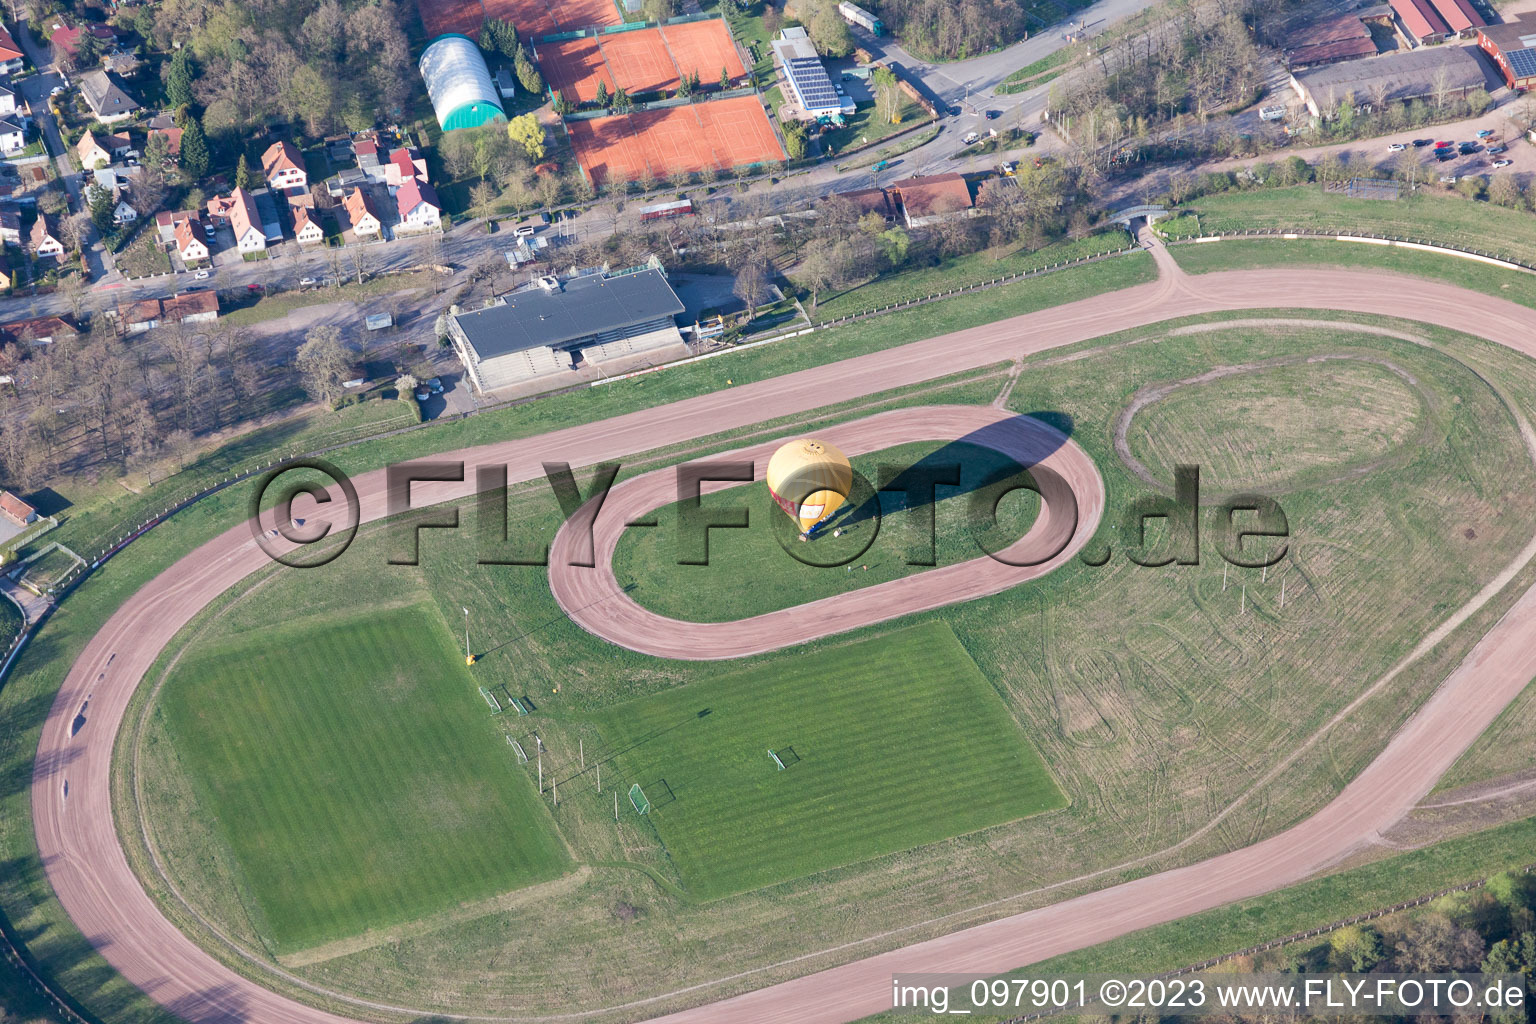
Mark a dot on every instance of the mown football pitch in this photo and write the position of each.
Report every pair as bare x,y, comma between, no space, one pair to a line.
350,767
887,744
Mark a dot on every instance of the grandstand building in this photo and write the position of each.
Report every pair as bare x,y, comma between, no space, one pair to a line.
809,85
558,325
459,84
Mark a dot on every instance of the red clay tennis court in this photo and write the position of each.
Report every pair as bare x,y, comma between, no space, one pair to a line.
442,16
574,14
703,48
740,131
639,62
574,67
531,18
683,138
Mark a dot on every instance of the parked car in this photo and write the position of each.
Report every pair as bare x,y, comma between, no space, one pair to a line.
422,395
1445,144
1421,143
1444,154
1501,163
1468,148
201,275
1396,147
435,385
306,282
1484,133
253,287
993,115
1498,149
1447,179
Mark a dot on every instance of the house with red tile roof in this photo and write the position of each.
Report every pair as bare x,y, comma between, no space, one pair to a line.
16,510
10,54
189,240
931,198
44,241
306,227
239,209
404,164
172,137
418,205
283,167
1420,21
360,214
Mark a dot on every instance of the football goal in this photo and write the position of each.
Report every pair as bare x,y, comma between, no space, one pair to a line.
637,797
490,698
522,758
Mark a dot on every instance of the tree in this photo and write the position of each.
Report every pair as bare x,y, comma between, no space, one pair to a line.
621,100
829,31
887,95
1504,191
526,132
322,363
99,201
1359,945
795,140
178,79
658,11
685,86
157,152
725,78
405,384
243,176
527,75
482,197
194,148
751,284
602,93
819,269
561,104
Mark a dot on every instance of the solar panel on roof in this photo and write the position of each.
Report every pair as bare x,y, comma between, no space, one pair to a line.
812,83
1522,62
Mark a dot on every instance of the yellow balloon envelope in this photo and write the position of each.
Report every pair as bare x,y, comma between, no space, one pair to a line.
810,480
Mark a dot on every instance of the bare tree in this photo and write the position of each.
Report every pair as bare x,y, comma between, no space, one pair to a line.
322,362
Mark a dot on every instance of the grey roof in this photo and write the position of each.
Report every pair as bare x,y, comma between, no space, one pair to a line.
583,307
9,127
104,95
1404,75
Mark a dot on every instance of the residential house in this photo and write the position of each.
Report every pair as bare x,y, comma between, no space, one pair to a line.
40,330
10,226
190,307
267,217
166,221
45,242
7,278
404,164
64,39
123,213
306,227
17,511
99,152
138,316
931,198
189,240
418,205
147,314
11,56
283,167
344,181
7,100
239,209
108,101
12,137
172,137
366,149
361,216
122,63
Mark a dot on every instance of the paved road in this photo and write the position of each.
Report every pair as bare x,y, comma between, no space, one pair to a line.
71,804
1070,487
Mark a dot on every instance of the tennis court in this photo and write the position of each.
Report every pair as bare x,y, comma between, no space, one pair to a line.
574,67
740,131
531,18
638,61
574,14
672,139
442,16
703,48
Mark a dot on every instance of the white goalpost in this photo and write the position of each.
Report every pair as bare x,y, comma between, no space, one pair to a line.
522,758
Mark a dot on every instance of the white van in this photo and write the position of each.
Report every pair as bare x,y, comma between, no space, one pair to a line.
525,231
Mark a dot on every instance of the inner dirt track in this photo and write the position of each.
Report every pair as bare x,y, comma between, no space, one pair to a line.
1071,491
78,845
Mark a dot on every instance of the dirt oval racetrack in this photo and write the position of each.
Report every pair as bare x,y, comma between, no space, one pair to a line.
77,840
1071,490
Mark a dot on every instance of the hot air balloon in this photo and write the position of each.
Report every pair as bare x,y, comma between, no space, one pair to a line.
810,480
